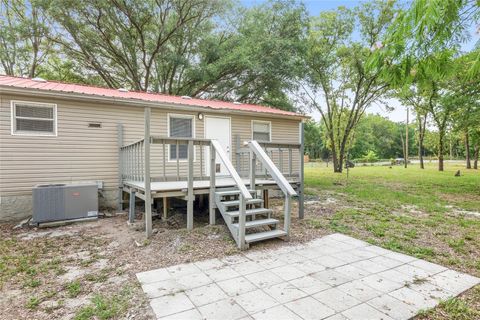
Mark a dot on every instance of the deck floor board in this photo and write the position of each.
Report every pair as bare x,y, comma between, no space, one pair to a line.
168,186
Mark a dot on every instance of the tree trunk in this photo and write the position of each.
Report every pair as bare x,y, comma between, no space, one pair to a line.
340,162
420,154
440,150
406,142
335,160
421,137
467,151
476,151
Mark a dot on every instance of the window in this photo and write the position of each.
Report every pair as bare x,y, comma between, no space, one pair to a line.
261,130
32,118
180,126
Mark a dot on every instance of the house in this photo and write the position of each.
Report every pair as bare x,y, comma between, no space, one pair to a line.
52,132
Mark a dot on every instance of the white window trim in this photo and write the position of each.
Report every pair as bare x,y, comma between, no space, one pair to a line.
13,130
184,116
269,125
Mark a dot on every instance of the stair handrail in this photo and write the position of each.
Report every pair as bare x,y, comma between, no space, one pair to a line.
244,193
276,174
231,169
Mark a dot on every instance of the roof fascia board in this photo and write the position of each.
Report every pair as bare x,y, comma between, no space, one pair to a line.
139,103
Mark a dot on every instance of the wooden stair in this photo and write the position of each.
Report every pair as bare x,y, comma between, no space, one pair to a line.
259,223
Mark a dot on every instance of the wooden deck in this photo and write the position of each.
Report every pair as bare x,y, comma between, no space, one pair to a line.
135,178
180,188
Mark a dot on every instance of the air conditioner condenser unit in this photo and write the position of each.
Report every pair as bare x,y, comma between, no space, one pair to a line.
63,202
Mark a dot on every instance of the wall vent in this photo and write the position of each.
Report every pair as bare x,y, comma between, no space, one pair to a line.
94,125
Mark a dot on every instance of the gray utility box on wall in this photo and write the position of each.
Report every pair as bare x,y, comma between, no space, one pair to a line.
59,202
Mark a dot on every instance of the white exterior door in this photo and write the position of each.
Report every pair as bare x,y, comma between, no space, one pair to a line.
219,129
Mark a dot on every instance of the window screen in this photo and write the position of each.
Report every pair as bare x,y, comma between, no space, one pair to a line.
180,128
34,118
261,131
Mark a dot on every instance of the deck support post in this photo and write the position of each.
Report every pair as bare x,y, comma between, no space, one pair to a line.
211,200
120,167
253,162
165,208
241,222
131,207
265,199
190,195
237,153
288,209
146,173
300,193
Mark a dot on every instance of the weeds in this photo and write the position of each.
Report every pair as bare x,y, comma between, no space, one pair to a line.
105,307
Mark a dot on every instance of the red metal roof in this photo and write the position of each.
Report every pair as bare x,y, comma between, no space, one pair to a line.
28,83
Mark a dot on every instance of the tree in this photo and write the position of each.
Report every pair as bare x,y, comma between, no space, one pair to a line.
340,80
410,95
314,145
432,26
199,48
464,92
381,135
24,37
123,40
422,42
370,156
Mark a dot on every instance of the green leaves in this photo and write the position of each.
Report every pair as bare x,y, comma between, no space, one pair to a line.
214,49
345,69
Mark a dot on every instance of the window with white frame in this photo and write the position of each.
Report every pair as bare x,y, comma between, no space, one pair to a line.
180,126
34,118
261,130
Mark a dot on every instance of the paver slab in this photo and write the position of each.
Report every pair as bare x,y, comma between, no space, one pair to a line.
335,277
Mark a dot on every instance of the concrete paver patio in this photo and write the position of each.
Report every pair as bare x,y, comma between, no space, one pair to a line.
334,277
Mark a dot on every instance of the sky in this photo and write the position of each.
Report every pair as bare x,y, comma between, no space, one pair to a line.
315,6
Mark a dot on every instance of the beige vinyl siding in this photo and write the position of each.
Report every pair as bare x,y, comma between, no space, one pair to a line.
80,153
282,130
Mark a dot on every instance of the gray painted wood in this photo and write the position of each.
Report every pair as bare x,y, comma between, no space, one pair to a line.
148,194
287,214
253,162
254,237
272,168
190,195
241,223
233,173
131,207
211,201
301,196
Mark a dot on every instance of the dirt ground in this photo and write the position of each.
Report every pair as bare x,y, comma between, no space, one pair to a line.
87,270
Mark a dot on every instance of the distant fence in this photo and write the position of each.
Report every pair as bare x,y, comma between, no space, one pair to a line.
380,162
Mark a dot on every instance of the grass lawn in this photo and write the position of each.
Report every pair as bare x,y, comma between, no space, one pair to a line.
87,270
424,213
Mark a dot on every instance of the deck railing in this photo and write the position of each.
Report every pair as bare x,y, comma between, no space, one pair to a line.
257,152
244,193
135,165
132,160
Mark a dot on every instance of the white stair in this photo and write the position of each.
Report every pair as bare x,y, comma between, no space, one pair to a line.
258,219
234,192
237,202
249,212
258,223
260,236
